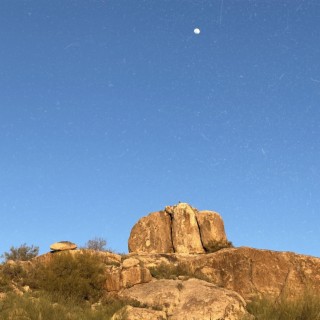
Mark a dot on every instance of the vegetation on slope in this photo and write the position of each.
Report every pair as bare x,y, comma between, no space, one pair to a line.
306,307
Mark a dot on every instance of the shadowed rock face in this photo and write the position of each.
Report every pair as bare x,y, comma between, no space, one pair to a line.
180,229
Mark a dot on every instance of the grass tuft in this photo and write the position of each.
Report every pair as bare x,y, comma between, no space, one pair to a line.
306,307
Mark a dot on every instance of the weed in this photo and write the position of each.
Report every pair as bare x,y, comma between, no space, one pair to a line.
306,307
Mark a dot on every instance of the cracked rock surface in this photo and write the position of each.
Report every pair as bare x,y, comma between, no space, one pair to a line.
189,299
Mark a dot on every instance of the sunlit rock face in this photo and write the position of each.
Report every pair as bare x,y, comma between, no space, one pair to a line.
185,230
178,229
152,234
211,229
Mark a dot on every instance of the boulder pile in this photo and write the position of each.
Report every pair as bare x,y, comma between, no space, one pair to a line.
178,229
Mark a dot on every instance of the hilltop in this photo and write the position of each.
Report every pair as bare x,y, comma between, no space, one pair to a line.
180,266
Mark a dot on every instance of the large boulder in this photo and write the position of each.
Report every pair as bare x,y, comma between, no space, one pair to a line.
185,230
151,234
190,299
212,230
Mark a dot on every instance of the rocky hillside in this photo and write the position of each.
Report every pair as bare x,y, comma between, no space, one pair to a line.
181,266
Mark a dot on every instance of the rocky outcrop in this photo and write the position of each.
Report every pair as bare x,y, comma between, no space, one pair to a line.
180,229
152,234
250,272
168,276
63,245
190,299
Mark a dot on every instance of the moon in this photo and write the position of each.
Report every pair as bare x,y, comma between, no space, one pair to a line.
197,31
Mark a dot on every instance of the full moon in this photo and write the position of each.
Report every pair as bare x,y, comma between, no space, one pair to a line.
196,31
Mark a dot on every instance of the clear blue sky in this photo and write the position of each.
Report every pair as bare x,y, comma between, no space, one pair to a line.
110,110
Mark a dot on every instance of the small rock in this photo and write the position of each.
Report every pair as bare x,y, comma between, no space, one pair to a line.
63,245
26,288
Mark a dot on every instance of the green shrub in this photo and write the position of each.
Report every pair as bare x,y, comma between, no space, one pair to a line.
76,276
22,253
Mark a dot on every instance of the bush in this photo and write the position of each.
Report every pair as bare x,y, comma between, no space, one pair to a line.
74,276
97,244
22,253
170,271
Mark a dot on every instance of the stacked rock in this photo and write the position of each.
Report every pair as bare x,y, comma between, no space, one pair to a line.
181,229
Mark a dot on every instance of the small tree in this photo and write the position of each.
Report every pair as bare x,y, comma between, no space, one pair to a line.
22,253
97,244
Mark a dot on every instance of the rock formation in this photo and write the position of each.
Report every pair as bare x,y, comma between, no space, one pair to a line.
180,229
250,272
181,266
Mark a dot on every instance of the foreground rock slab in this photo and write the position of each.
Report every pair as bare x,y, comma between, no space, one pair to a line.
189,299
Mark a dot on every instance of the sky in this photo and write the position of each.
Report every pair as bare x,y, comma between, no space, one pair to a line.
112,109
